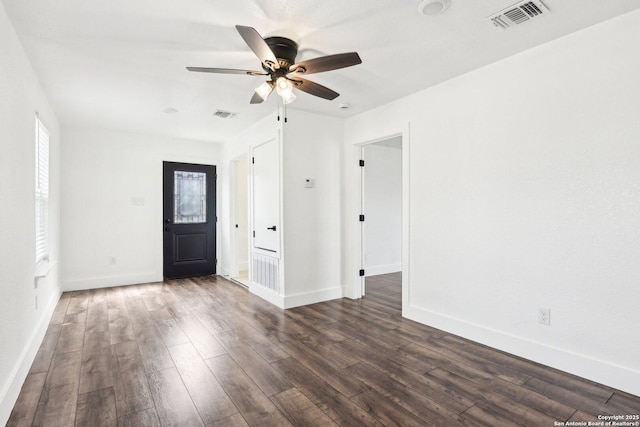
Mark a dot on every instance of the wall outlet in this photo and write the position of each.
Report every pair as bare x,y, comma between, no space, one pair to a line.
112,260
544,316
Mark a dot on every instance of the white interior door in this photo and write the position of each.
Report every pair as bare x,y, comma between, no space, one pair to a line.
266,196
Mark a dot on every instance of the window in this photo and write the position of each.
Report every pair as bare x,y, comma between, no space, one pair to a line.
42,192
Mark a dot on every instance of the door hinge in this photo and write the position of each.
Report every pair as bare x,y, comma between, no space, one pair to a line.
361,273
361,218
254,233
253,160
361,163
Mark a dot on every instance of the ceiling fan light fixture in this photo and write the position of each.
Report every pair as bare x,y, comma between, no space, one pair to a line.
264,90
433,7
288,98
283,87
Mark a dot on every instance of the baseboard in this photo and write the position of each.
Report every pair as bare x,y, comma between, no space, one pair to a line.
9,395
602,372
382,269
109,281
312,297
267,294
223,271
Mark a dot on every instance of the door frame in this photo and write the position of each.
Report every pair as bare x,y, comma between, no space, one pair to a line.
359,249
234,264
363,192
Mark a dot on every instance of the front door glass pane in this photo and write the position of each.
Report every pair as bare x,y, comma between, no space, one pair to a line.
189,197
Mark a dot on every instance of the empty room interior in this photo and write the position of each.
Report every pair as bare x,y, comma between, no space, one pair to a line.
260,212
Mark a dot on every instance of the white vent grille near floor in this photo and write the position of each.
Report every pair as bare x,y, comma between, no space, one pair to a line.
265,272
519,13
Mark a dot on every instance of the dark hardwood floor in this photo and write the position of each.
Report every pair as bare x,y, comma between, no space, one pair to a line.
206,352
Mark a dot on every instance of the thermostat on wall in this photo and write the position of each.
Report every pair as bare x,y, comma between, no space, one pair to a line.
309,183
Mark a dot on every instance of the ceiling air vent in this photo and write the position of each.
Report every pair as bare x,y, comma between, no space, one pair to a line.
518,13
224,114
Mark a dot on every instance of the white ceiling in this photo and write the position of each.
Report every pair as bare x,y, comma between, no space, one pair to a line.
120,63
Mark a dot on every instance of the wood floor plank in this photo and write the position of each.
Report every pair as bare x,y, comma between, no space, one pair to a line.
71,338
422,384
333,403
96,372
97,408
207,394
155,355
315,326
77,308
45,353
253,404
492,401
266,346
59,398
571,398
132,392
97,316
480,415
170,332
470,358
144,418
625,402
233,421
172,400
387,411
206,344
61,309
131,386
24,412
299,410
332,374
404,397
120,329
261,372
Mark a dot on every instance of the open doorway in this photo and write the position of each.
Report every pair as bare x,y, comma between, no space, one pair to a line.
240,232
382,228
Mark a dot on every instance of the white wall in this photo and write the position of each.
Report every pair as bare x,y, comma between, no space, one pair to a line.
23,326
524,194
105,177
383,208
312,226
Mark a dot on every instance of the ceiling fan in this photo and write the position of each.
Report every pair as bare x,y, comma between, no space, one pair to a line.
278,55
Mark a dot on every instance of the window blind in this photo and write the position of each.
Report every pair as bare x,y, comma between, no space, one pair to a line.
42,191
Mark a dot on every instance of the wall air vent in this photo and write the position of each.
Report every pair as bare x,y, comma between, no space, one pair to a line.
518,13
224,114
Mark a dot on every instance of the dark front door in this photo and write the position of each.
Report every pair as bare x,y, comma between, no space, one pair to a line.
189,220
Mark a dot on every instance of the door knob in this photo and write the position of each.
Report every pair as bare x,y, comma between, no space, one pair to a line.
168,220
166,229
272,228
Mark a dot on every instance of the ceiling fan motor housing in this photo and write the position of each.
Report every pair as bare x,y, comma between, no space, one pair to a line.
284,49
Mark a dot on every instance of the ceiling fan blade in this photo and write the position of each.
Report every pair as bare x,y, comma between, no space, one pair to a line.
256,99
314,88
326,63
257,44
226,71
